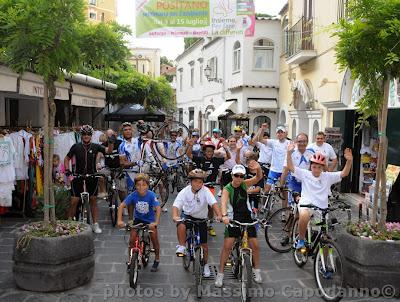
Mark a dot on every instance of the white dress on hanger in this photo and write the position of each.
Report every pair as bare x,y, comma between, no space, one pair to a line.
7,171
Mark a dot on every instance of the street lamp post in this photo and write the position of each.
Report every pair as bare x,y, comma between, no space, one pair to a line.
207,73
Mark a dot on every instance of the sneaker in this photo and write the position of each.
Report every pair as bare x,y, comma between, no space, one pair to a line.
219,193
164,209
211,231
300,244
257,275
181,250
206,271
154,268
219,280
283,217
326,274
96,228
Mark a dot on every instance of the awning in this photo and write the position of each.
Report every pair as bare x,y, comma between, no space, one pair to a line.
135,112
32,84
263,104
220,111
8,79
87,97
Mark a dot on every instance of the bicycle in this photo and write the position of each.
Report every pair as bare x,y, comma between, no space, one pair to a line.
241,258
84,213
139,251
112,194
278,233
328,264
269,201
179,176
194,252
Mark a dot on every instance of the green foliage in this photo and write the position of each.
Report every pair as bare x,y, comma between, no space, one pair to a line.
62,198
390,231
165,60
189,42
369,45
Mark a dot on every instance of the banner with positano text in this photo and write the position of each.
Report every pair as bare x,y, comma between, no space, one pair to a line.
194,18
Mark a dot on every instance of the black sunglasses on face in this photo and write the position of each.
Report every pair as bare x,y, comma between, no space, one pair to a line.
238,175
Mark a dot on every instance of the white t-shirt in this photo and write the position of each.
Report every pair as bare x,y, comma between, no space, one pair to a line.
195,205
301,160
265,153
315,190
326,149
279,151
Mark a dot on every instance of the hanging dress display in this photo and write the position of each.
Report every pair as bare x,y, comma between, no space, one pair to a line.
7,171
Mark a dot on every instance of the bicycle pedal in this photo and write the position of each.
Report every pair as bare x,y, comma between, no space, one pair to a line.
180,255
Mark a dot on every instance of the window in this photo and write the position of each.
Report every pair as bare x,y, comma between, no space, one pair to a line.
285,40
212,63
191,73
92,15
263,54
181,115
342,9
259,120
236,56
92,2
191,117
201,73
180,80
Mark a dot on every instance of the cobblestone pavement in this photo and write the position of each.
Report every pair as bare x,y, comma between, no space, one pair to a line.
282,280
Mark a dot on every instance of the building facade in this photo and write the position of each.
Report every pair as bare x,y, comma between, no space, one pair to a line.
101,10
146,60
223,82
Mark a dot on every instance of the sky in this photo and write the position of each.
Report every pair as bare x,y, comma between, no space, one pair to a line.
172,47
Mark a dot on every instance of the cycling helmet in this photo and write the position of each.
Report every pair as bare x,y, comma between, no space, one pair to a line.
216,130
208,144
318,158
197,174
196,134
86,129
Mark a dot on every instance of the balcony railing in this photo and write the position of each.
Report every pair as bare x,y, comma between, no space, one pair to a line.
299,37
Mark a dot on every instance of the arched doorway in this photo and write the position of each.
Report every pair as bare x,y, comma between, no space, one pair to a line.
282,118
259,120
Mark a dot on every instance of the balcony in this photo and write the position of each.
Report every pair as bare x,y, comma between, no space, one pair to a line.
299,42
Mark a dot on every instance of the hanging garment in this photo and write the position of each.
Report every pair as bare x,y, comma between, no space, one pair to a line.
62,143
7,171
21,166
38,169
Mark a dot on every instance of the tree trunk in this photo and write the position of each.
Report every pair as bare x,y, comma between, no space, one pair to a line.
52,116
383,152
46,184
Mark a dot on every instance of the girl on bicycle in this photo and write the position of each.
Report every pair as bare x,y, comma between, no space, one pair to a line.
144,202
315,185
235,205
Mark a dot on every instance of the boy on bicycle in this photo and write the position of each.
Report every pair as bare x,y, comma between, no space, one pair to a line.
193,202
315,185
235,205
144,202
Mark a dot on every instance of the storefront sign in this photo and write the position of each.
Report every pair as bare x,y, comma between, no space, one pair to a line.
8,79
37,89
84,101
87,96
194,18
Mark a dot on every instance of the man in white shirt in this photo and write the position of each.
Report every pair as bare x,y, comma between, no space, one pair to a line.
326,149
193,202
265,154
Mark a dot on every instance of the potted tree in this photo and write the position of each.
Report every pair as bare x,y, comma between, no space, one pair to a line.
369,46
52,39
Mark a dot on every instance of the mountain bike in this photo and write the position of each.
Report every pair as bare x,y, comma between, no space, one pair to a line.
179,176
328,262
241,258
271,201
194,252
139,252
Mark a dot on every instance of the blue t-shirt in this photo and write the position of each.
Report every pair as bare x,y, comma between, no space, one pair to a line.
144,205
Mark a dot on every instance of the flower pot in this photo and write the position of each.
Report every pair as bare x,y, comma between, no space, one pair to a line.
371,264
54,263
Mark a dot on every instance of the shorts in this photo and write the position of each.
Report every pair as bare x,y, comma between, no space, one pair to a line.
235,232
272,175
91,186
202,227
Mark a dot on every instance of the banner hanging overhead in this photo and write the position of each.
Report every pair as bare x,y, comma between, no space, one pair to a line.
194,18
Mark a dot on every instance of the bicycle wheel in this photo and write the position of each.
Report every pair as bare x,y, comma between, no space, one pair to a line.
146,249
198,271
133,270
113,207
235,260
299,258
329,280
87,213
164,138
277,233
246,278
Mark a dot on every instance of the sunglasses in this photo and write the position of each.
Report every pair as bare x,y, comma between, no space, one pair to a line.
86,134
238,175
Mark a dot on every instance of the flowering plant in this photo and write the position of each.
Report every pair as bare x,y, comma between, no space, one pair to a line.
390,231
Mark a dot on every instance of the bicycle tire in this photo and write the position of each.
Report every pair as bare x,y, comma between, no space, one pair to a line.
299,258
198,272
113,206
88,211
276,231
134,270
163,134
338,277
146,250
186,259
235,260
246,278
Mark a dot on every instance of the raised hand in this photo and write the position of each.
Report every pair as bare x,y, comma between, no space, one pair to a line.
240,144
348,154
264,126
291,147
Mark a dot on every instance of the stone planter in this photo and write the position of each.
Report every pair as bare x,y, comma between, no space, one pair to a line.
55,263
370,263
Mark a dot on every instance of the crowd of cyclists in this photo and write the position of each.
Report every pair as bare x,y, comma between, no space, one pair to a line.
221,173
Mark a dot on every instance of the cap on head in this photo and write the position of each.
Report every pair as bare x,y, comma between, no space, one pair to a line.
216,130
239,169
208,144
237,128
280,128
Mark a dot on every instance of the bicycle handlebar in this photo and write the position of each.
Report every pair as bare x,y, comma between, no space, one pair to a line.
194,221
88,175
